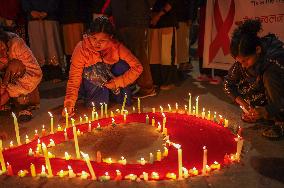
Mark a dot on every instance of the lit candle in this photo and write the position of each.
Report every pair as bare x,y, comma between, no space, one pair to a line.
133,109
215,166
159,127
153,110
27,139
43,173
87,159
151,159
90,127
170,108
123,104
2,160
33,171
221,120
67,156
93,115
102,110
147,119
84,175
244,110
193,111
204,160
59,128
16,129
50,155
196,106
106,177
96,115
118,175
81,120
131,177
76,140
215,117
166,152
111,114
208,169
51,143
176,107
226,123
106,111
99,157
153,122
142,161
172,176
9,170
185,109
185,172
30,153
86,118
145,176
240,142
161,109
209,116
71,172
122,161
139,105
189,104
203,113
11,144
51,122
124,117
193,171
66,118
61,174
43,131
164,123
47,161
39,146
155,175
65,135
179,160
159,155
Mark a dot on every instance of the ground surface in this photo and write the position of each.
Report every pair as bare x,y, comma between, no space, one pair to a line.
262,163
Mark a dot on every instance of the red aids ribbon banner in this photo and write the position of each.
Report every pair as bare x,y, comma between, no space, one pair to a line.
222,17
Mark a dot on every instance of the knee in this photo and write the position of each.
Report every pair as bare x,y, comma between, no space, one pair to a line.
120,68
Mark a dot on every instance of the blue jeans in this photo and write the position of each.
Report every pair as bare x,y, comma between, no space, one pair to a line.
92,92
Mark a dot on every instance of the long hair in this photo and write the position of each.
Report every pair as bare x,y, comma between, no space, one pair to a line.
101,25
245,38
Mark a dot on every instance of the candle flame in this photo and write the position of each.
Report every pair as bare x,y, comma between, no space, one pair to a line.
204,147
42,126
50,114
193,168
177,146
14,115
42,168
69,167
93,104
106,173
27,137
215,162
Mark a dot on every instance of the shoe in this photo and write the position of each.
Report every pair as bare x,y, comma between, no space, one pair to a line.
167,87
216,80
142,95
203,78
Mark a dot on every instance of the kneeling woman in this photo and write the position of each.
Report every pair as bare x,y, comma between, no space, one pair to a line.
100,66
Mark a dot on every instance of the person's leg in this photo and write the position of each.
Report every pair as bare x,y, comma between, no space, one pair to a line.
93,94
135,38
118,69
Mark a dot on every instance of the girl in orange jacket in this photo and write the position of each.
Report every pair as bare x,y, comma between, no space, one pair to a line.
100,64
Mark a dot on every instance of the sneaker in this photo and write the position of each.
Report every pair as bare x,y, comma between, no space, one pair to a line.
203,78
167,87
142,95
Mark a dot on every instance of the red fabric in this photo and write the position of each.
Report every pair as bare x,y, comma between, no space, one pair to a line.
190,132
105,6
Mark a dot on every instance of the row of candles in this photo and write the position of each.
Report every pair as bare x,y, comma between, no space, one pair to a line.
105,111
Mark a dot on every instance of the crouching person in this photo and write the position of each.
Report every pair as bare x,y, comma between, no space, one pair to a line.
101,67
20,76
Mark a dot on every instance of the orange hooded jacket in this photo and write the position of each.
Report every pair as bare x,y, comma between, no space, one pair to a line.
84,55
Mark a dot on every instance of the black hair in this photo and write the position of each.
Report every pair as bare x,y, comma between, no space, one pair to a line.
245,38
101,24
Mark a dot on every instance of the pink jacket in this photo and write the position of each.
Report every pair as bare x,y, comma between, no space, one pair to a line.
84,56
32,77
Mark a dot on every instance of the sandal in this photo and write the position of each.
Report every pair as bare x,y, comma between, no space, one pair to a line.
274,133
25,116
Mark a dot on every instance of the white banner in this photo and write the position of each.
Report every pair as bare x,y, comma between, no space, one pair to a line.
223,16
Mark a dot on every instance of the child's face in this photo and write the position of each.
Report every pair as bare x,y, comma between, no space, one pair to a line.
100,41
